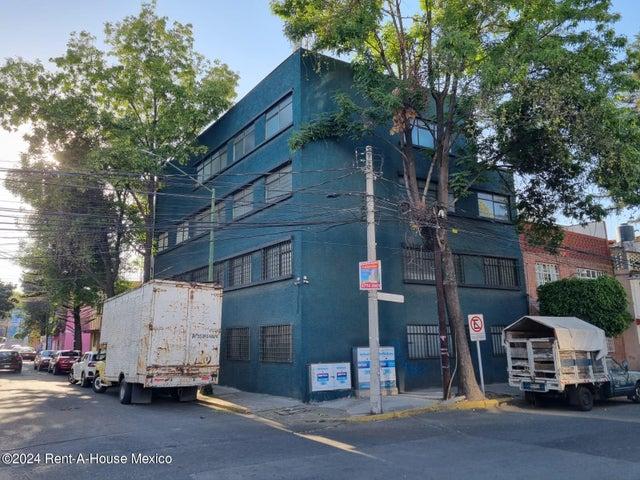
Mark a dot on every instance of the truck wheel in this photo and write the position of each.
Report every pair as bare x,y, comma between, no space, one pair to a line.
635,398
186,394
84,383
125,392
72,379
97,386
531,398
584,398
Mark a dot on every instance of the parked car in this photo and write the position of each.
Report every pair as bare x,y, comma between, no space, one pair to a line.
83,371
42,359
27,353
99,383
10,360
62,361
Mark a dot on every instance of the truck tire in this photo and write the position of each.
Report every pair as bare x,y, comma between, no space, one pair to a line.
584,397
635,397
72,379
84,383
97,386
125,392
187,394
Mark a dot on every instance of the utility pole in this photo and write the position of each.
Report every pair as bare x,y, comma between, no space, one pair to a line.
375,395
442,319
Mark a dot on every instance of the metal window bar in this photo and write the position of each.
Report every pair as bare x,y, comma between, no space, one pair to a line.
418,264
423,342
238,343
276,344
239,270
496,340
500,272
276,261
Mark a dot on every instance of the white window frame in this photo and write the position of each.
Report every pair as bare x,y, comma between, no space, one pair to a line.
491,200
283,115
589,273
182,232
163,241
547,272
241,206
278,184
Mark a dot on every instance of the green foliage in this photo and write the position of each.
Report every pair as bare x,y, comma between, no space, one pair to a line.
7,299
120,112
531,87
601,302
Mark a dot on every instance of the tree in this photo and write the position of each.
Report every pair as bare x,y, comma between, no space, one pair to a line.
601,302
511,87
7,299
132,106
38,309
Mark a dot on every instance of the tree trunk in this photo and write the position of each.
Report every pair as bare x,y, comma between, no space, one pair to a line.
77,328
429,242
468,383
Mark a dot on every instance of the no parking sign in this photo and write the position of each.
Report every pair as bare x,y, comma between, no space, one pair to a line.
476,327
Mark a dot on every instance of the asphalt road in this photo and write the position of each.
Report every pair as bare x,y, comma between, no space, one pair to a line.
42,414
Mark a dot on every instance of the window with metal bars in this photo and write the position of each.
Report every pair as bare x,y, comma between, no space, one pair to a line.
497,346
240,270
220,273
276,344
238,341
423,342
276,261
500,272
419,265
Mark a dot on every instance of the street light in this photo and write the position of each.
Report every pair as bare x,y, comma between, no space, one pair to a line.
212,190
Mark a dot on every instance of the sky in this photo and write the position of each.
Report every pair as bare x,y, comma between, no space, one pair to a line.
242,33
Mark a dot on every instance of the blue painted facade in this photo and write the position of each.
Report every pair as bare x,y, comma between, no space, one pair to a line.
320,215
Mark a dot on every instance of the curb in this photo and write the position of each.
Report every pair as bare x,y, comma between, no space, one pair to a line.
442,407
223,404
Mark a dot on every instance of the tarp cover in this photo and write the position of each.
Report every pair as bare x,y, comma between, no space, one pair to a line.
570,332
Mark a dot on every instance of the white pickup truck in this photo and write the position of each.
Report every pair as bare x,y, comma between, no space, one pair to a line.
565,356
165,334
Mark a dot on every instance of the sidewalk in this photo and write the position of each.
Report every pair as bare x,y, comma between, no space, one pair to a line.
353,409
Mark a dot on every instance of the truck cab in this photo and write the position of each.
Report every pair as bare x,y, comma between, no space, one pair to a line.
624,382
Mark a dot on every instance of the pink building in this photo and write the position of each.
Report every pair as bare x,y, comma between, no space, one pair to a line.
64,339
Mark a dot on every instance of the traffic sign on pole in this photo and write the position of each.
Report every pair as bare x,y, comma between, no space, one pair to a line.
478,334
476,327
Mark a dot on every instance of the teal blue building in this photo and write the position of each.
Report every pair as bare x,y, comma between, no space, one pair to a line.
290,231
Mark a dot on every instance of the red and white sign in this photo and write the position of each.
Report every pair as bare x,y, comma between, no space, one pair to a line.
476,327
370,274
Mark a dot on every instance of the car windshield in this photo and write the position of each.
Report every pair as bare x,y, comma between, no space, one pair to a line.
100,356
46,353
5,355
70,354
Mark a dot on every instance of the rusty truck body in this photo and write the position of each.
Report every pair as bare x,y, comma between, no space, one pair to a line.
164,334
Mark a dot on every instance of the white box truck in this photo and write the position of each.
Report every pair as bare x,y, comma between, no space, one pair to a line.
165,334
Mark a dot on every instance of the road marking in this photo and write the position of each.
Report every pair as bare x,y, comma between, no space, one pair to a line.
345,447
